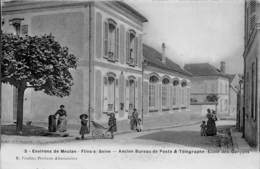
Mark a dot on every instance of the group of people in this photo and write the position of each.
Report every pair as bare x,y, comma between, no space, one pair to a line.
135,122
210,128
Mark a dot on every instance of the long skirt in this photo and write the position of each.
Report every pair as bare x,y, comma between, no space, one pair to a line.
211,128
62,124
84,130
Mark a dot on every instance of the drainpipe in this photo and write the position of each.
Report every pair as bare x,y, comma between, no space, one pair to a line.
90,60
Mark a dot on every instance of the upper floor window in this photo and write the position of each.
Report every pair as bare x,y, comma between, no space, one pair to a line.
131,48
111,40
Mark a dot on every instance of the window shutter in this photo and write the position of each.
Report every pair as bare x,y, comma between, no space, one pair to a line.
116,96
140,52
24,29
117,45
127,95
136,51
127,47
122,44
105,94
105,39
136,95
98,35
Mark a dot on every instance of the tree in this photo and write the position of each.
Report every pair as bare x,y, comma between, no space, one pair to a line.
37,62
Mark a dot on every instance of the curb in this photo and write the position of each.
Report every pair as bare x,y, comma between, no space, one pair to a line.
161,128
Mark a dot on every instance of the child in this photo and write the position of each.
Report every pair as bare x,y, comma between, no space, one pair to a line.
84,125
139,127
203,128
112,124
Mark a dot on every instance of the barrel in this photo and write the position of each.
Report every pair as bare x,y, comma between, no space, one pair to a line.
52,123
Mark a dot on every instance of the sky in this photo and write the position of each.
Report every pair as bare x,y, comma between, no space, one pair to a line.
196,31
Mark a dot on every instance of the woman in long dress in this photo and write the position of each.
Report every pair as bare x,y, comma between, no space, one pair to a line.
211,125
62,119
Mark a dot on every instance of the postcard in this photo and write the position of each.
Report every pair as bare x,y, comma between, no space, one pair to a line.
130,84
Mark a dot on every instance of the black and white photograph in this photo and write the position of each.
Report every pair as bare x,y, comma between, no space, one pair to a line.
90,84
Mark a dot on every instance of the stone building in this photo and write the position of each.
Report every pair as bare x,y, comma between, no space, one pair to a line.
234,87
107,39
207,82
166,85
251,71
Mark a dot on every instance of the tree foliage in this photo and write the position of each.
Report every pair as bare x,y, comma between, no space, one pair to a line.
38,62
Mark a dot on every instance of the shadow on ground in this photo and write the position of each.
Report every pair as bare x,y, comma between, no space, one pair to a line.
185,138
27,130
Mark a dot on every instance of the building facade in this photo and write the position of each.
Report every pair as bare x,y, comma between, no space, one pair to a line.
208,82
166,85
234,87
251,72
107,39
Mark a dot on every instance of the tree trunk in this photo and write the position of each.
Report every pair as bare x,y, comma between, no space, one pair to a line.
19,121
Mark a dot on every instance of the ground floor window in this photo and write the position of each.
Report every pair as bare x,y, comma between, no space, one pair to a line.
109,92
152,88
153,92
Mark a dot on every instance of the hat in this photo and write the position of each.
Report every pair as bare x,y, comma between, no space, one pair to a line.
83,116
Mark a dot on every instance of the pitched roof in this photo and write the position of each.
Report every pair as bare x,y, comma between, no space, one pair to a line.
203,69
231,76
29,4
154,58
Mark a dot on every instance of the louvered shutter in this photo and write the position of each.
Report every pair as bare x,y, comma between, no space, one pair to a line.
136,51
127,47
121,94
98,90
116,95
105,39
105,94
139,92
127,95
136,95
98,35
140,53
117,45
122,44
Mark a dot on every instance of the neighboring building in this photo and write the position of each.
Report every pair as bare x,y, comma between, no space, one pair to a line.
207,82
240,104
105,36
251,71
234,88
166,85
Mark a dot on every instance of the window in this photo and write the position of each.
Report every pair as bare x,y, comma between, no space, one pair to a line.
153,92
16,22
183,92
109,93
165,92
131,48
111,40
175,86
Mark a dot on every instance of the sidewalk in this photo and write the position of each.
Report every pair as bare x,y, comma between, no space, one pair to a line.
239,143
73,133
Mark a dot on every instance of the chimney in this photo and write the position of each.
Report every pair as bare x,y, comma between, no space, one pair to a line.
163,53
223,67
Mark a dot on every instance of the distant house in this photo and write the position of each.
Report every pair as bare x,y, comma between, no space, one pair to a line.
166,84
208,83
